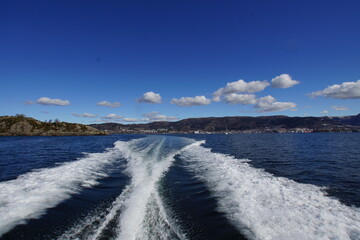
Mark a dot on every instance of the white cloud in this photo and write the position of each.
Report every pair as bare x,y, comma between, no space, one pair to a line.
243,99
216,98
109,104
269,104
112,116
191,101
283,81
339,108
131,120
155,116
324,112
240,86
85,115
150,97
52,101
345,90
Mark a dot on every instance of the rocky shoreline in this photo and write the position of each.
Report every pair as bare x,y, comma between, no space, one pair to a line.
25,126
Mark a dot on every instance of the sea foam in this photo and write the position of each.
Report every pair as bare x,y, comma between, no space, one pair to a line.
138,212
263,206
28,196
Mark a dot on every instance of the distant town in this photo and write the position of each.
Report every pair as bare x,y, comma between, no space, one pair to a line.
236,125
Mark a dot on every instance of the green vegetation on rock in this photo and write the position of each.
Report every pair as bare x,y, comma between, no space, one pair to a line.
20,125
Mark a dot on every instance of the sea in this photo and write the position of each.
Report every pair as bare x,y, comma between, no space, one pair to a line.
215,186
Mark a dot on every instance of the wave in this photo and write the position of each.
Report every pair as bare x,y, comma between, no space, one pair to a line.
31,194
263,206
138,213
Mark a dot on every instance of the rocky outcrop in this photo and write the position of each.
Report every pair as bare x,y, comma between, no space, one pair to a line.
24,126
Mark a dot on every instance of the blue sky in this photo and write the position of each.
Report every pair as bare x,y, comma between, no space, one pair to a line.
139,61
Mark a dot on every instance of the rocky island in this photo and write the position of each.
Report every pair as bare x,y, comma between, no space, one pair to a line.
20,125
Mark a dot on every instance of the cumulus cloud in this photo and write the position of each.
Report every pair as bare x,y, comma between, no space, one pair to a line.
150,97
243,99
131,120
269,104
345,90
50,101
84,115
191,101
240,86
283,81
109,104
324,112
112,116
339,108
155,117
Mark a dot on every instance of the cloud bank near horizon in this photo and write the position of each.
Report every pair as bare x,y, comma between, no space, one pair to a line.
84,115
156,117
339,108
237,92
112,116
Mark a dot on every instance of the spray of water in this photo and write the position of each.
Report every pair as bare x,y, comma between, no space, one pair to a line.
266,207
138,213
31,194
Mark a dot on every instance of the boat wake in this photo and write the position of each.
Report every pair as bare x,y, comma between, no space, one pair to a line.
138,213
258,204
263,206
31,194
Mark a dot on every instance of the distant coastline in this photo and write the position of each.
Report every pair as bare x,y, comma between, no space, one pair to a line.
228,125
20,125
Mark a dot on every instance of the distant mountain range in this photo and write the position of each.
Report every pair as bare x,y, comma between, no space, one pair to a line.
24,126
348,120
240,125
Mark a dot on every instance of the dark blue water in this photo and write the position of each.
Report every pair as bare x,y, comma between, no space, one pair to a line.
247,186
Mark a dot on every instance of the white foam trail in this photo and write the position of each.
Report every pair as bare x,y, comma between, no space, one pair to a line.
146,168
138,211
29,195
266,207
158,222
93,226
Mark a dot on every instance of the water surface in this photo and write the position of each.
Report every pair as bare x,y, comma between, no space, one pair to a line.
246,186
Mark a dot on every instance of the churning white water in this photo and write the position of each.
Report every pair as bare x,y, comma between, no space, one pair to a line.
259,204
138,212
263,206
31,194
